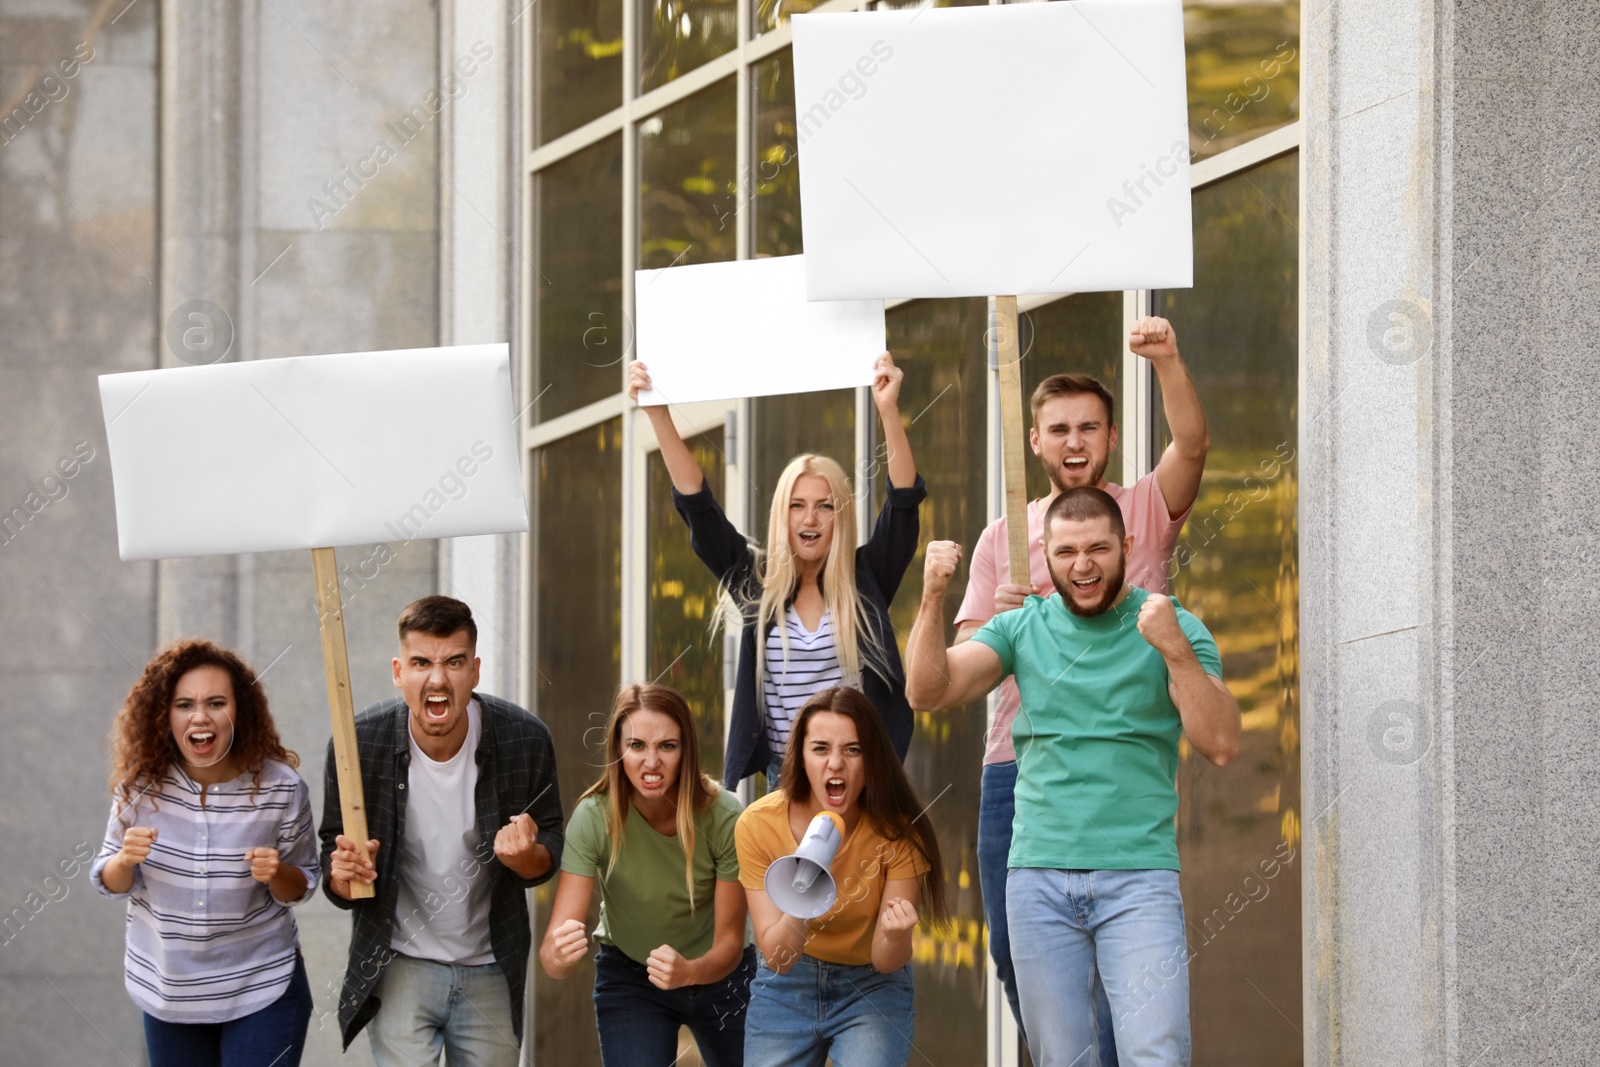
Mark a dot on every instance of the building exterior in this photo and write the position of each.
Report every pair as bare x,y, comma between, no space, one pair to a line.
1389,328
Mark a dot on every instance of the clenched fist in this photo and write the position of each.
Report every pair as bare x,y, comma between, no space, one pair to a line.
1153,338
668,969
570,942
1158,624
516,840
899,915
263,863
940,560
136,843
886,378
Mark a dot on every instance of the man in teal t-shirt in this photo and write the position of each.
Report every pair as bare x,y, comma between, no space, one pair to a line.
1110,677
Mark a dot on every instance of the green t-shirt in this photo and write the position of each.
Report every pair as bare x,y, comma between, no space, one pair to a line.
1096,736
644,904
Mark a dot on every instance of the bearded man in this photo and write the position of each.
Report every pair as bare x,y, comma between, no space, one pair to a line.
1110,677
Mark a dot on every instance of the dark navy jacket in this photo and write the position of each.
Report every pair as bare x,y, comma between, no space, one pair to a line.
880,565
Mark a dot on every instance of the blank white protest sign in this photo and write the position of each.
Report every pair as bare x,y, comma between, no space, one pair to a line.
1012,149
721,331
314,451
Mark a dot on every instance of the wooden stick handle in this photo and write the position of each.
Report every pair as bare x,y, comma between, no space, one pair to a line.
336,667
1008,358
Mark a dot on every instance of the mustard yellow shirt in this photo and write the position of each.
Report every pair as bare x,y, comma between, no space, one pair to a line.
863,866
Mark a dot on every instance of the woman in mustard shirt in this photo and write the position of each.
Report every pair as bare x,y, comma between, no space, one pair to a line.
838,985
655,835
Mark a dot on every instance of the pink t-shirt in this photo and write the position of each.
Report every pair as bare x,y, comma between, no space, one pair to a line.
1155,534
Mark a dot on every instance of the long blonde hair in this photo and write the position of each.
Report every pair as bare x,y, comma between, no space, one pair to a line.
695,792
853,638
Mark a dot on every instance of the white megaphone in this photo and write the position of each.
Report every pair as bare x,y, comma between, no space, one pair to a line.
801,885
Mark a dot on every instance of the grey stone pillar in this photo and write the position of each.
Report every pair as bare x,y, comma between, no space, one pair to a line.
1450,442
206,72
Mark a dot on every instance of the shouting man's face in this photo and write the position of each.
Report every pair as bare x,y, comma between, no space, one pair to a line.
1073,438
436,675
1086,563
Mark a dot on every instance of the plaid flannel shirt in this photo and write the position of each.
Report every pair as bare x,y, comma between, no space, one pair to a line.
516,772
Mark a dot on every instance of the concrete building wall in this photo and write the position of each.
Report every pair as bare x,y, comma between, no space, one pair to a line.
1449,447
196,165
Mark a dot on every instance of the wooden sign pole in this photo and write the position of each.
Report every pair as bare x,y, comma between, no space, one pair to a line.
336,667
1008,358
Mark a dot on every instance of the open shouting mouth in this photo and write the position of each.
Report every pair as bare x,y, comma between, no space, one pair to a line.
835,790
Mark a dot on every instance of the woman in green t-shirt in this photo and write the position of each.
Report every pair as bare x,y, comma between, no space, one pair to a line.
657,836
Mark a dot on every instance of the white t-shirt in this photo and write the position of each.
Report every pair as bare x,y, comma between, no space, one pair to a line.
442,913
812,665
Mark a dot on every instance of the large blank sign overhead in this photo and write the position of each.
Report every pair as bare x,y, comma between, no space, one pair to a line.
314,451
1013,149
717,331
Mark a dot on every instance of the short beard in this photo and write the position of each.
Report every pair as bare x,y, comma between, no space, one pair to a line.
1113,589
1096,475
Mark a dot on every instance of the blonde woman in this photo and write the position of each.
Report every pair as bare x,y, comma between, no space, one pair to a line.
815,607
656,836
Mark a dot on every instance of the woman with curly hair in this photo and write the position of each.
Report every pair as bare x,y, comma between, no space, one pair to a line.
210,841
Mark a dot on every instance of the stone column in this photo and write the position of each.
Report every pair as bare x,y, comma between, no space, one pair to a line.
1449,447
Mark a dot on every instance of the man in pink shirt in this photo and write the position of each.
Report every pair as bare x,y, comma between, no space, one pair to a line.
1074,436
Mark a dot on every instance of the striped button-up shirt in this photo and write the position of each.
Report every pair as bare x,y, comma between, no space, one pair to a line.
207,943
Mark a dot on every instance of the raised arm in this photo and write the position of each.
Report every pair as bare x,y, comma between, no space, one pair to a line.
1209,712
1185,458
891,941
896,445
686,475
566,941
937,677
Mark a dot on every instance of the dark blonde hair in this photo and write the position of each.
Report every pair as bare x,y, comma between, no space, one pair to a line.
887,799
1073,385
695,792
142,748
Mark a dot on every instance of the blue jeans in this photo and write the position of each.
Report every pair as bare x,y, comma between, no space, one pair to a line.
275,1036
429,1006
639,1023
996,811
855,1014
1125,926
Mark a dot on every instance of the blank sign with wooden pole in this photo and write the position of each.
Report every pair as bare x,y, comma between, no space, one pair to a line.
1009,149
309,453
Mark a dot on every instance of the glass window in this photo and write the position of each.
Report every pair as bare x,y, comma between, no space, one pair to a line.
676,36
775,167
1244,70
577,290
579,67
1237,569
1075,335
686,180
943,401
770,14
684,652
577,644
786,426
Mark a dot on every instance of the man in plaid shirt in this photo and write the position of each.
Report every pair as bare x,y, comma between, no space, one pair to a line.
465,815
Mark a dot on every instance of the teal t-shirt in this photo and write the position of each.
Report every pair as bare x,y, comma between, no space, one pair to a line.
644,904
1096,736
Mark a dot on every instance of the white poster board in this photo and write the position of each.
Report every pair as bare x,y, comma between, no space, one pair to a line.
314,451
1014,149
719,331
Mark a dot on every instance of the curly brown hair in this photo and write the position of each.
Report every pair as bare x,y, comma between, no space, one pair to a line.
142,748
